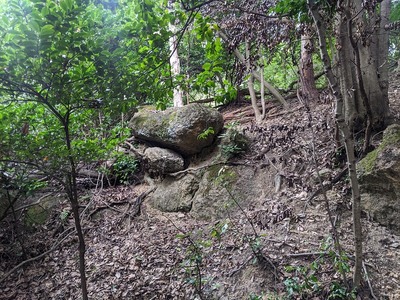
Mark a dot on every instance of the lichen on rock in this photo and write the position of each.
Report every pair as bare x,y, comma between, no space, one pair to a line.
379,176
178,128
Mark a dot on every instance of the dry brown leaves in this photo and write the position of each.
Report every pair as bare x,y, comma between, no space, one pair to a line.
133,256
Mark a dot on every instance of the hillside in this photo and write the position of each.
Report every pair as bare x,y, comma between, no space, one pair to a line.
137,252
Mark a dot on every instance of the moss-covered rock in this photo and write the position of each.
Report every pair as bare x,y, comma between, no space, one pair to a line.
212,192
181,129
163,161
379,176
36,215
222,186
391,138
175,195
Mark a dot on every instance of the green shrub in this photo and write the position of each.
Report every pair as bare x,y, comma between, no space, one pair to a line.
124,168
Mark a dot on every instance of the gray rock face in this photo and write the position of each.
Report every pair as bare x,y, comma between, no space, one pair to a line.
175,195
208,193
379,175
220,187
163,161
178,128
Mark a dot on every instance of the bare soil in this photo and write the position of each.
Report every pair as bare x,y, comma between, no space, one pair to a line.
146,254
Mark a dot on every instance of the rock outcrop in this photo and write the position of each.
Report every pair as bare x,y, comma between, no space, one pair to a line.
186,130
175,195
379,175
212,192
163,161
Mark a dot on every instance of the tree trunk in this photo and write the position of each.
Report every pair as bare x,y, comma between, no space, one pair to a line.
360,38
383,54
308,89
382,44
175,64
72,192
353,109
250,84
344,129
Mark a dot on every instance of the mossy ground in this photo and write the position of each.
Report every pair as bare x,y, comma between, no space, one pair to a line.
222,175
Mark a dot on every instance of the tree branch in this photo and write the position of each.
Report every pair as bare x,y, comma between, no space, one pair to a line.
242,59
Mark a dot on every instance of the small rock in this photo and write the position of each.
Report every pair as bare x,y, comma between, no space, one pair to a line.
163,161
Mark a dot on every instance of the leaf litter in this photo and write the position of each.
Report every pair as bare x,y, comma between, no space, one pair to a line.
148,254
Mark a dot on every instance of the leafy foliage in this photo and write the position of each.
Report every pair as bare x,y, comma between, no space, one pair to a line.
233,143
293,8
206,133
394,39
206,63
125,167
306,281
77,60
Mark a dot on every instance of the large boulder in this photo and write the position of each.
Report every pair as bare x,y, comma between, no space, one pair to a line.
163,161
187,129
379,176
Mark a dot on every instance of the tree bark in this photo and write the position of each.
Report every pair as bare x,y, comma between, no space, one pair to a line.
72,192
383,42
370,47
349,88
262,92
306,69
250,84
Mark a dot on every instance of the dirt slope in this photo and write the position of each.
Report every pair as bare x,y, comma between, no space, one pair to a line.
146,254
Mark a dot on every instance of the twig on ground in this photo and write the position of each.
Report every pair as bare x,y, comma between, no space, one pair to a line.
133,149
110,206
368,281
301,254
240,267
137,204
191,170
284,112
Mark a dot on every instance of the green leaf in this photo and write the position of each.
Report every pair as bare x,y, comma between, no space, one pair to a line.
181,236
207,66
64,6
34,25
45,11
47,30
218,69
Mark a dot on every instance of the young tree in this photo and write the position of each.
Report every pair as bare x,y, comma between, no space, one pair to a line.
297,11
360,98
59,61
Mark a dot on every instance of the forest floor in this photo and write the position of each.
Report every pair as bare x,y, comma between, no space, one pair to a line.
148,254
